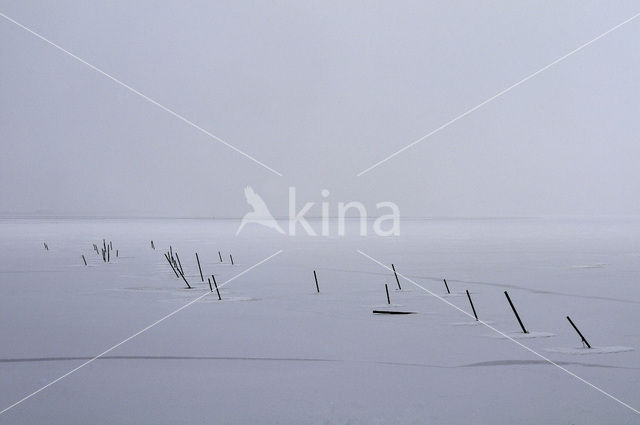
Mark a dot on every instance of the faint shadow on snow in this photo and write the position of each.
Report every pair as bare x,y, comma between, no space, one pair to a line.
214,299
520,335
589,266
56,359
491,363
592,350
541,362
453,295
484,322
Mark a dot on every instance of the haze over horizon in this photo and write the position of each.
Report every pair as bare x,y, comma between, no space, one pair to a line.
320,92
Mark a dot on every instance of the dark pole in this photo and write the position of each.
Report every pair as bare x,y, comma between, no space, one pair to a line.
316,278
108,254
172,268
210,287
396,275
579,333
471,302
216,284
117,253
185,280
179,264
386,288
447,286
515,312
198,259
220,255
231,257
152,246
85,260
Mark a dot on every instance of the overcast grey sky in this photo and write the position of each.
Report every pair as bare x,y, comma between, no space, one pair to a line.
320,91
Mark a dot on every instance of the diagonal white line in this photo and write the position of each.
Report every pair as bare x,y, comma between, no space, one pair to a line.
134,335
508,89
505,335
145,97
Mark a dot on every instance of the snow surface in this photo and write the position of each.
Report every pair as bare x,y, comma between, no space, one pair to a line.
273,351
592,350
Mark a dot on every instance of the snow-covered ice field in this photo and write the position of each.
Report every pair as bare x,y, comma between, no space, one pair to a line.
273,351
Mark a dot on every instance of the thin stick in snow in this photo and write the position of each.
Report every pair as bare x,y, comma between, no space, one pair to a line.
231,258
179,264
220,255
172,268
446,286
386,288
315,276
584,340
515,312
214,282
85,260
185,280
471,302
396,275
199,268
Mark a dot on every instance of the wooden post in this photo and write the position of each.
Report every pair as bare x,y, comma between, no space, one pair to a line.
210,287
315,276
117,254
185,280
108,254
199,268
231,257
515,312
446,286
216,284
172,268
179,264
85,260
396,275
471,302
386,288
220,255
584,340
